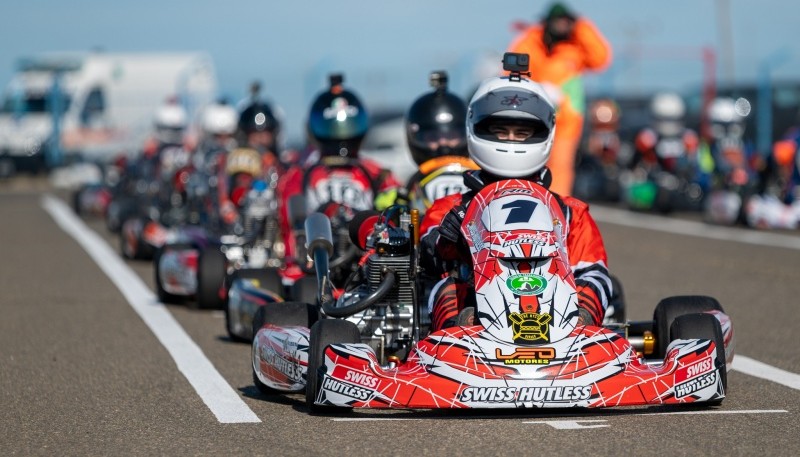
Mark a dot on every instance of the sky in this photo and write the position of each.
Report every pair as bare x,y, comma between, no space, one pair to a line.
387,49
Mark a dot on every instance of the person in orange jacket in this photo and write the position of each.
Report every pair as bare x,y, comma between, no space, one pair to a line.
561,48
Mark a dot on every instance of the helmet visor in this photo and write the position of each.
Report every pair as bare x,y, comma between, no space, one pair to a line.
443,137
512,107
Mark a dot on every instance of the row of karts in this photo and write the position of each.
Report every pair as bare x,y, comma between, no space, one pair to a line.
365,341
333,300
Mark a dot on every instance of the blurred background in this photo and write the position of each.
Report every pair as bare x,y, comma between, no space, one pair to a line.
386,50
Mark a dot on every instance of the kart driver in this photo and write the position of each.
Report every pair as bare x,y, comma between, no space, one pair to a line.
437,139
493,123
334,172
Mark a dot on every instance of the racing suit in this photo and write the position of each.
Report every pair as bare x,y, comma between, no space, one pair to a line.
356,184
558,67
585,248
436,178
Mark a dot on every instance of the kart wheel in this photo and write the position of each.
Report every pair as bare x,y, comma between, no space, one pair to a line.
702,326
268,279
282,314
128,251
324,333
305,290
670,308
118,211
211,266
616,302
76,200
163,295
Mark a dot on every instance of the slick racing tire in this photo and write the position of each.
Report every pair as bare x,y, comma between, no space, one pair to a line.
76,200
163,295
324,333
128,252
670,308
284,314
268,279
119,210
702,326
305,289
211,270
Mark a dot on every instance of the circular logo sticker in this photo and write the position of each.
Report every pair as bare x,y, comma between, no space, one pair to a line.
526,284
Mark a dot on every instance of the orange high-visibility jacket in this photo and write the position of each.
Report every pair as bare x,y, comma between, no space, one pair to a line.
586,50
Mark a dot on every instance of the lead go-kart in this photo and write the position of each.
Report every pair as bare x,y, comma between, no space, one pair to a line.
368,349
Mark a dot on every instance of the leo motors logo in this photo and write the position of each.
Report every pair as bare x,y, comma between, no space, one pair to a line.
526,284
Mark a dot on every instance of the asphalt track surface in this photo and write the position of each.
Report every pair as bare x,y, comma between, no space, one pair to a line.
82,373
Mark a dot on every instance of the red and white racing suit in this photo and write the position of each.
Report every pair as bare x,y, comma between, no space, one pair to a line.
354,184
585,248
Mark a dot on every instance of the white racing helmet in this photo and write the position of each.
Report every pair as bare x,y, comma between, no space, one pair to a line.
499,100
667,105
170,122
219,119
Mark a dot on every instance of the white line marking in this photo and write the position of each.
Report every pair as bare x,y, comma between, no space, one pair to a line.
740,411
692,228
374,419
571,425
212,388
762,370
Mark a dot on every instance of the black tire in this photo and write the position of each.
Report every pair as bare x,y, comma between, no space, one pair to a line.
702,326
76,200
211,270
163,295
617,300
305,290
268,278
281,314
324,333
124,248
119,210
670,308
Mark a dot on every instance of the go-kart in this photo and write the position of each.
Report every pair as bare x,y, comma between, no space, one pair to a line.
207,267
523,347
337,188
251,287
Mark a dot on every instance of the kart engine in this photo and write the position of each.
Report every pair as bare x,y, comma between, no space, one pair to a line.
260,226
387,325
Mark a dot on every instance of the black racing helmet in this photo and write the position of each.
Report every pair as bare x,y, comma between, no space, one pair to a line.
338,120
436,123
258,116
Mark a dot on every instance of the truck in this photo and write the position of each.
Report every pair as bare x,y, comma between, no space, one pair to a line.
91,106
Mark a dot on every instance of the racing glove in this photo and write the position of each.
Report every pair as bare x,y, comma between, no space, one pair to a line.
450,227
385,199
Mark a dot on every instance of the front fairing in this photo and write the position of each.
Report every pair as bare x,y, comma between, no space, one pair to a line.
524,286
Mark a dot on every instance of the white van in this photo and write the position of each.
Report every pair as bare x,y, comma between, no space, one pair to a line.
107,103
